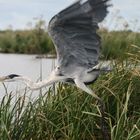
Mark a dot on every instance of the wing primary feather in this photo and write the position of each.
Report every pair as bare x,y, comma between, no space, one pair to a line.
73,32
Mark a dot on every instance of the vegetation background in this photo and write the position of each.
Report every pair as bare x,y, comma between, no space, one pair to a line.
67,113
37,41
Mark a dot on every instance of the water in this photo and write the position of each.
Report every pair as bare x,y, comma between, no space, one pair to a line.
26,65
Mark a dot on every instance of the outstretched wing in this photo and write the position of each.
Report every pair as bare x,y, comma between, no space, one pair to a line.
73,32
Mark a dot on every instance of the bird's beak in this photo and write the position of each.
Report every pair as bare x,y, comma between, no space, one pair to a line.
9,78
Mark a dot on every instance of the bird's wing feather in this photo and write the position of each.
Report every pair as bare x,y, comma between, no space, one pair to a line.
73,32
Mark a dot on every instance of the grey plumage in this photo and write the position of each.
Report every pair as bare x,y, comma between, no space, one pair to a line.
73,32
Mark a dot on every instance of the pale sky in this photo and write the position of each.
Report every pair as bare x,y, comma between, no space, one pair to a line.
20,12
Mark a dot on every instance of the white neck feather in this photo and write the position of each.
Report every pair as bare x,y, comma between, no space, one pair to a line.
37,85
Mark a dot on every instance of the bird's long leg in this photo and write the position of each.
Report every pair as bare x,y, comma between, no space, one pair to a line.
82,86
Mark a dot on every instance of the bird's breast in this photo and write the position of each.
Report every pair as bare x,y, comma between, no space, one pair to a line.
89,78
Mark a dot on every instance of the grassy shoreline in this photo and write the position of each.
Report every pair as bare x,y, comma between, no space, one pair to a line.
37,41
74,115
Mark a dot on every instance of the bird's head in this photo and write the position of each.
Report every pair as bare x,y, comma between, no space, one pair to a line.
9,78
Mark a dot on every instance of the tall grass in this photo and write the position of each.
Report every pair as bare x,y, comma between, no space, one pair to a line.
74,115
117,43
37,41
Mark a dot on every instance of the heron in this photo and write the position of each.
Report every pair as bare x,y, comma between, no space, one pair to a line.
74,34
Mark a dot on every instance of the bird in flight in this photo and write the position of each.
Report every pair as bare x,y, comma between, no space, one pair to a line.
73,32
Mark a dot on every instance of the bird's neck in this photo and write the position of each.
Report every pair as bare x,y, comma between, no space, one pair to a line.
37,85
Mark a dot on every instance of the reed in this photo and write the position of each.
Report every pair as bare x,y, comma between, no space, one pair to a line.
74,115
115,43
